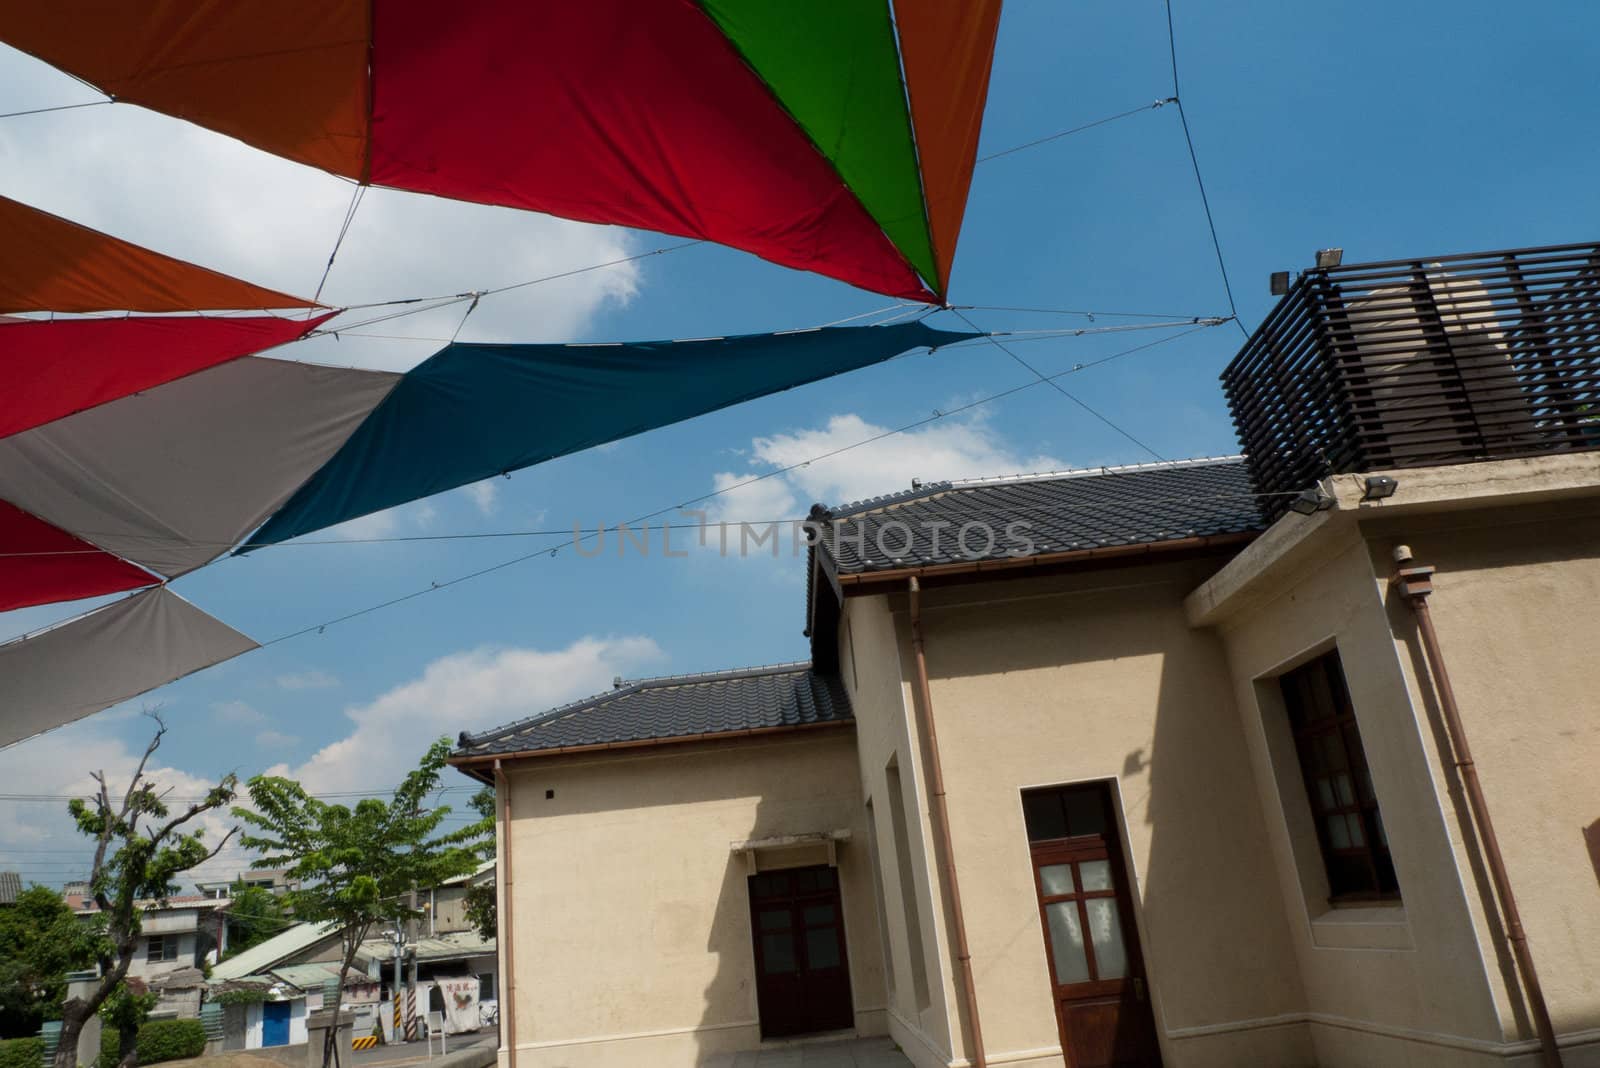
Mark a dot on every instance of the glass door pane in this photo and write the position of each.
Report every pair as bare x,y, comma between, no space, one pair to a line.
1066,942
1105,927
1056,879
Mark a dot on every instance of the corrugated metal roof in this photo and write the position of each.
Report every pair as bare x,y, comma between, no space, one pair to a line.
452,946
676,706
316,975
10,887
280,947
1053,513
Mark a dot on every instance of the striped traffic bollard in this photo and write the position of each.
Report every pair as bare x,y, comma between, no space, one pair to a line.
411,1014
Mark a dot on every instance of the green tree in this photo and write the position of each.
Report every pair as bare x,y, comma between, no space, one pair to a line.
255,914
355,867
40,942
481,905
139,851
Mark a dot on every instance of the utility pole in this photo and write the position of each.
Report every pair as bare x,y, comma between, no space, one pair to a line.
411,990
399,993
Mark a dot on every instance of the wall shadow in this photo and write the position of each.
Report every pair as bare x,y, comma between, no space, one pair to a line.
1403,624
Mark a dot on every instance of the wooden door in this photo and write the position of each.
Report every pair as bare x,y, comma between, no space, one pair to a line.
1097,973
802,973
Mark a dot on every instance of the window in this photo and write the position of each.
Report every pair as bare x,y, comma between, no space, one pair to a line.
1355,849
161,947
486,986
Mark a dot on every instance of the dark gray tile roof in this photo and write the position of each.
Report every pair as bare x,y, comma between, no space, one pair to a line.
1056,512
10,887
675,706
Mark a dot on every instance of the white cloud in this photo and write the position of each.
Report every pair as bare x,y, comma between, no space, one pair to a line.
272,739
484,495
237,712
307,680
949,449
201,196
466,691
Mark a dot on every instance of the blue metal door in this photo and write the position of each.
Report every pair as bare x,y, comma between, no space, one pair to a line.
275,1023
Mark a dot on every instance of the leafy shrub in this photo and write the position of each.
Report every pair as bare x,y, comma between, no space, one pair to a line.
159,1040
21,1053
171,1040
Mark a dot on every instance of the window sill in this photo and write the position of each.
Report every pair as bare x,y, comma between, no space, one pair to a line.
1350,925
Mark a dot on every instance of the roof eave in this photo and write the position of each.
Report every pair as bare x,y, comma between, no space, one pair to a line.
868,582
473,764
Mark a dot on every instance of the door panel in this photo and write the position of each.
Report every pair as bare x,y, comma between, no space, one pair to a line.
275,1023
802,972
1091,944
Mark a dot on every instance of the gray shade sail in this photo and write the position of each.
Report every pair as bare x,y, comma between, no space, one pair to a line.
109,655
175,477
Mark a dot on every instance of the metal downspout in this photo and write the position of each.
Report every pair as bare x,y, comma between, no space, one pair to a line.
1415,583
941,822
508,981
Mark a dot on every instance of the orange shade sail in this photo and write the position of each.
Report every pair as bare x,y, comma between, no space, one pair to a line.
947,47
52,264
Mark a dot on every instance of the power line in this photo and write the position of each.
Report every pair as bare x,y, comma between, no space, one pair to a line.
1059,388
1076,129
1194,161
58,107
344,228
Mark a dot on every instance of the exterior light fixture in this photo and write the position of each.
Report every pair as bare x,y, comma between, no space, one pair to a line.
1329,257
1280,283
1310,502
1379,487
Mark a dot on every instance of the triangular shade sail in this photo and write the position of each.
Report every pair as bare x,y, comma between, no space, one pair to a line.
51,264
40,564
780,128
107,656
175,477
470,412
54,368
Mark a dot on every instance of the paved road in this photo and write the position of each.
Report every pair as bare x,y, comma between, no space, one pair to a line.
417,1052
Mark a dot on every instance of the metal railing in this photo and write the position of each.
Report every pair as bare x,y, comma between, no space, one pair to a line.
1416,363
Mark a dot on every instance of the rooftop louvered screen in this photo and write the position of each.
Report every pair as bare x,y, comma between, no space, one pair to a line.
1419,363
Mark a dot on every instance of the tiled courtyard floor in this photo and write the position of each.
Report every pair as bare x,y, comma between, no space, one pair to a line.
878,1052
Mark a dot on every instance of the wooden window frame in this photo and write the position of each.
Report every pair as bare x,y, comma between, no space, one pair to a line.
1322,719
163,940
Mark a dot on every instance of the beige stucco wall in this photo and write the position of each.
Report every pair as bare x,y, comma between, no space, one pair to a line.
631,915
1092,677
1517,609
875,671
1430,982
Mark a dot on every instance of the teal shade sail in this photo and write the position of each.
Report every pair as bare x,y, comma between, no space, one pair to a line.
473,411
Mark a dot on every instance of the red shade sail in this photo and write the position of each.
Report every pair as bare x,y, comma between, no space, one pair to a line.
52,369
41,564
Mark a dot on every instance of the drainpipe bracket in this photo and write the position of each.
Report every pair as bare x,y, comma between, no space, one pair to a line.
1414,582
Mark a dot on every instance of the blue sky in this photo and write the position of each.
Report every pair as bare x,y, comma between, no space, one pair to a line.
1391,130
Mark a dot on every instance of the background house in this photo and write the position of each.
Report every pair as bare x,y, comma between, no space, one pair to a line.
179,937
